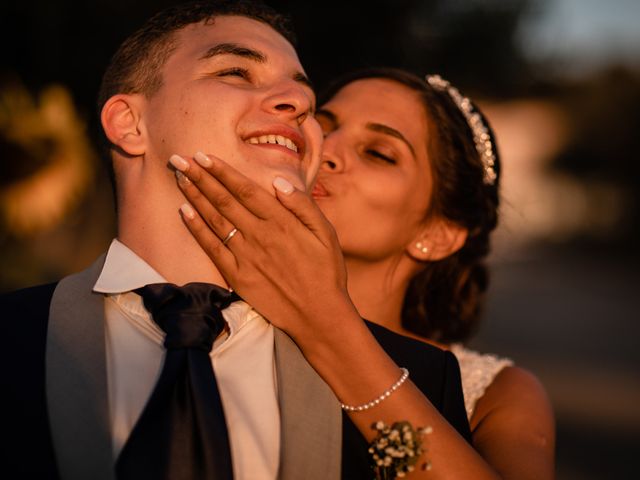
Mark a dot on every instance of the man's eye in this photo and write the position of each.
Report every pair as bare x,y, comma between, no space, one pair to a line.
235,72
380,156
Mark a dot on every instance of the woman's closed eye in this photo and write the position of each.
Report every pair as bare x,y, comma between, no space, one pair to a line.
378,155
327,124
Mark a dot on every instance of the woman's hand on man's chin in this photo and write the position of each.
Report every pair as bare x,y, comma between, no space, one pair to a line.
279,253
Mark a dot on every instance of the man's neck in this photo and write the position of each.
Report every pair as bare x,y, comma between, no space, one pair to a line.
152,228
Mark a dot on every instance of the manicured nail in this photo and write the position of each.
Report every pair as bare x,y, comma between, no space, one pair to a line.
203,160
179,163
188,211
282,185
183,180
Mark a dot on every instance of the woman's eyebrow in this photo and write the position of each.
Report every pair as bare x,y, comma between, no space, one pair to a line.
380,128
328,114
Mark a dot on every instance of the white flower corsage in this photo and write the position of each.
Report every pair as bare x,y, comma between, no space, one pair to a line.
396,449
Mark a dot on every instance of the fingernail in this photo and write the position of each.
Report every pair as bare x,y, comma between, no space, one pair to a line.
282,185
182,178
188,211
203,160
179,163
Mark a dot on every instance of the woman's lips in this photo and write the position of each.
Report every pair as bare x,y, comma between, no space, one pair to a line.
319,190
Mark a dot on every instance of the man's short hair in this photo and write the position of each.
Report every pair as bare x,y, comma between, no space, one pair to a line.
137,65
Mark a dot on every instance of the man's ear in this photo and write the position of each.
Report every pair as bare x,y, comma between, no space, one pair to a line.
438,239
121,121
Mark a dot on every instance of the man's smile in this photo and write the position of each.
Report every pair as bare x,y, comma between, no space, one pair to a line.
280,137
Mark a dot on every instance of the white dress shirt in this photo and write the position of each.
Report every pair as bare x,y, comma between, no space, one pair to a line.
243,360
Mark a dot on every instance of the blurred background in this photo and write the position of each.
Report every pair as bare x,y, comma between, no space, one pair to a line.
560,82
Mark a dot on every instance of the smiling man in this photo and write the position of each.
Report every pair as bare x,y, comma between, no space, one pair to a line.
222,77
230,86
145,366
233,86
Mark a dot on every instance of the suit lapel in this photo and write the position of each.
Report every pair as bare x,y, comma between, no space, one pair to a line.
77,395
311,419
76,379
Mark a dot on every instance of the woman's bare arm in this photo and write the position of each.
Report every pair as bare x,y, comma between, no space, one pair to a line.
513,427
286,262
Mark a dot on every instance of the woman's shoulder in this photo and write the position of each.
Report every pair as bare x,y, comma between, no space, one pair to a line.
513,400
478,372
500,395
517,393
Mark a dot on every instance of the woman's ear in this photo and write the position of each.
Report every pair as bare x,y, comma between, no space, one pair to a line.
438,239
121,121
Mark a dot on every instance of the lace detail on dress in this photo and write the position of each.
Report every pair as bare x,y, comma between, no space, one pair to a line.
478,372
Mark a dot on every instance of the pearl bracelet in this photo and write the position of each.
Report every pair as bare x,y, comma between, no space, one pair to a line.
384,396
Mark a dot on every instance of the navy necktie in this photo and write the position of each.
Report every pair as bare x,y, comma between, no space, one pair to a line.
181,433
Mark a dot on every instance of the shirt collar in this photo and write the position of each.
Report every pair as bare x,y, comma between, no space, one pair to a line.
124,271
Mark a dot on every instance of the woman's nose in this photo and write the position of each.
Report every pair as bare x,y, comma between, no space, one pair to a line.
332,154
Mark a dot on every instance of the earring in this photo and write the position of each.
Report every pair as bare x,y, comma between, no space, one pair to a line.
423,248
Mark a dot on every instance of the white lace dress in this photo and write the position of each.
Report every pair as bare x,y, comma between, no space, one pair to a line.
478,372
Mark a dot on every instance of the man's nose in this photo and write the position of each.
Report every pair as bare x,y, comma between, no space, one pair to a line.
291,100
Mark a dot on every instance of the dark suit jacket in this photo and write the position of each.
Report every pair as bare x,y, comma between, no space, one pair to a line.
33,447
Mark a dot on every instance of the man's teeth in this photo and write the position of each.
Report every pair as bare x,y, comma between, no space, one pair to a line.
275,139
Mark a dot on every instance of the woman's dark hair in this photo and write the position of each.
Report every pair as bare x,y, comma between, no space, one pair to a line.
444,300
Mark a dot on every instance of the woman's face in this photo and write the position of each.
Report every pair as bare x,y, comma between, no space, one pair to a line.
375,183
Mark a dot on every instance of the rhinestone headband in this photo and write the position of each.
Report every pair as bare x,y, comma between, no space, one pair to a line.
481,136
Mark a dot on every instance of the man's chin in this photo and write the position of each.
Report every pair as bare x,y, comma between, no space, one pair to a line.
264,175
293,180
292,175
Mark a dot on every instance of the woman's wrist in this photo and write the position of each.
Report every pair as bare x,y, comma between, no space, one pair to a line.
347,356
321,319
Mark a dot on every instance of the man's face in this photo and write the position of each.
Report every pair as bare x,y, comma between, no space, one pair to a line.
235,89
